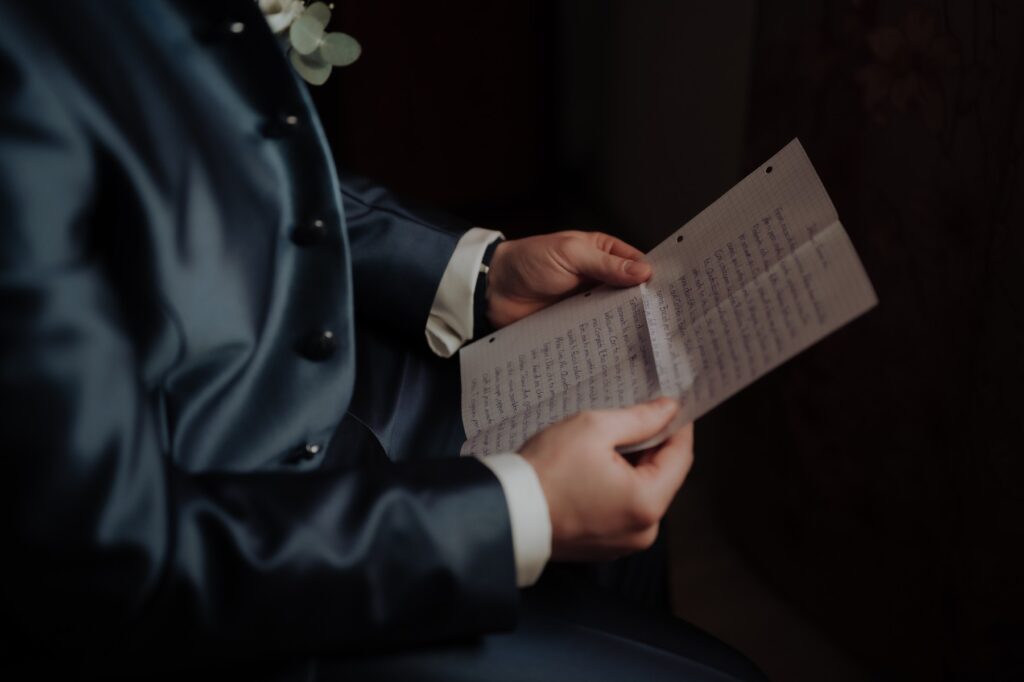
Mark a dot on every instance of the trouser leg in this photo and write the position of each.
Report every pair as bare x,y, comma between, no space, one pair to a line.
607,621
410,398
566,632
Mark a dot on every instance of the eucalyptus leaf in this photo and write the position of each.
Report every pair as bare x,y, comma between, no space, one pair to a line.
321,12
312,69
305,34
339,49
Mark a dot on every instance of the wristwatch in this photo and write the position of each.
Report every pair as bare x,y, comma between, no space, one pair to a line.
481,325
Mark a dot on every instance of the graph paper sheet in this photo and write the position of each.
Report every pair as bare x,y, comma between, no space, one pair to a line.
755,278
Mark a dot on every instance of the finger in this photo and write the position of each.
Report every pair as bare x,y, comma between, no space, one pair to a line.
664,471
608,547
592,262
638,458
629,542
639,422
617,247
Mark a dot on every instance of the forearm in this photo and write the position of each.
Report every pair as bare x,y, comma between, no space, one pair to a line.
454,319
329,561
399,255
275,563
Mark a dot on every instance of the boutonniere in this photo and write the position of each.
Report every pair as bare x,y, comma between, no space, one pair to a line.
313,51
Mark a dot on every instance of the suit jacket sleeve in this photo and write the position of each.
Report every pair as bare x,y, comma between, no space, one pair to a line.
112,547
399,254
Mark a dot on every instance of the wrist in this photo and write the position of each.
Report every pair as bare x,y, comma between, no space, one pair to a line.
528,514
502,307
496,319
482,322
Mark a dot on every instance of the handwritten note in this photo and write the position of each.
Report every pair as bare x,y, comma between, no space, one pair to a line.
755,278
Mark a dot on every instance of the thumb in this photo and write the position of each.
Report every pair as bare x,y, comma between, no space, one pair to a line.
639,422
665,470
594,263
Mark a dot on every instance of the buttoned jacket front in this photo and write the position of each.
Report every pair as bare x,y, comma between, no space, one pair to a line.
181,275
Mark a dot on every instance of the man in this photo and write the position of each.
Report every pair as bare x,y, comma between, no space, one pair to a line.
226,440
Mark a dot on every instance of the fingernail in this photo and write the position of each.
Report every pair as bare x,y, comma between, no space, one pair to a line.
664,404
635,267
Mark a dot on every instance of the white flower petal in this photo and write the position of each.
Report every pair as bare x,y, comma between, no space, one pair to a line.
311,69
281,13
321,11
340,49
305,34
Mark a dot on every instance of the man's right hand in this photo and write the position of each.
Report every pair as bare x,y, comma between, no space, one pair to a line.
603,506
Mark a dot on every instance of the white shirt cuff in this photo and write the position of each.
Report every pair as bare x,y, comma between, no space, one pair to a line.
450,323
527,512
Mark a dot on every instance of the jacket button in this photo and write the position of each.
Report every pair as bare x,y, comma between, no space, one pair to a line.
279,126
219,32
319,346
303,454
310,233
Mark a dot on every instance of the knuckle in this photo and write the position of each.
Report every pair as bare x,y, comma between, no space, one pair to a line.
648,537
644,539
632,543
646,513
687,452
688,459
569,242
686,433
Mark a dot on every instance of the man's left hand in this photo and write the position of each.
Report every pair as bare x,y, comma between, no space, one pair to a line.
532,273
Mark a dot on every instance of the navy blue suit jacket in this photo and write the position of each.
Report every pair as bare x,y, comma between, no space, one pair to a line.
180,267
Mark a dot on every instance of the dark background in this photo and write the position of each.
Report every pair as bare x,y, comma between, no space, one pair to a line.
858,513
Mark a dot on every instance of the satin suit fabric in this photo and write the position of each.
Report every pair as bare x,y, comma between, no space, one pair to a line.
181,276
227,445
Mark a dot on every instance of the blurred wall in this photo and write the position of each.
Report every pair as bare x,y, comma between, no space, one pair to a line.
658,132
885,496
874,481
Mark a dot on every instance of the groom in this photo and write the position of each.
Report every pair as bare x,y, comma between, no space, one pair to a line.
231,431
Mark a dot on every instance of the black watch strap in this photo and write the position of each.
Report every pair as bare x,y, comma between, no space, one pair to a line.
481,325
